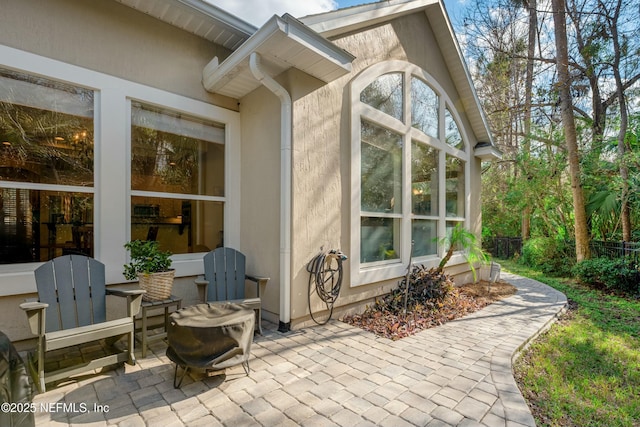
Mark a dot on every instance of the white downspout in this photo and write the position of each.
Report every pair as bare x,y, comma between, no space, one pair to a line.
285,187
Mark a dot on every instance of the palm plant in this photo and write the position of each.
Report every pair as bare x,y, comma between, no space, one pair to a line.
462,239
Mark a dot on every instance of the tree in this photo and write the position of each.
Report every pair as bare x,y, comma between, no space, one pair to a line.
570,135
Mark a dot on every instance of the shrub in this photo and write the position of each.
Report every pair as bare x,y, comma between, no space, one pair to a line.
552,256
427,288
615,274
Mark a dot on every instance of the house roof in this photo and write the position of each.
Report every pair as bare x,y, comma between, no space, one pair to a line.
339,22
283,43
198,17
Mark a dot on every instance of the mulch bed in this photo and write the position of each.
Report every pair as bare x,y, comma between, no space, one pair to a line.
463,300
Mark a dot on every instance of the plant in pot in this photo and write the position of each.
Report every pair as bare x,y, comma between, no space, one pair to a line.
152,268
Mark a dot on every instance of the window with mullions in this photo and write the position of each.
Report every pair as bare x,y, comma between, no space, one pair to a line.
412,178
46,168
177,180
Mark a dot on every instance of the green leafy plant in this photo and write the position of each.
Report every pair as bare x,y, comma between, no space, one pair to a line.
146,258
462,239
620,274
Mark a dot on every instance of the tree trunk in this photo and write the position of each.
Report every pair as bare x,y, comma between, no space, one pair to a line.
531,51
568,121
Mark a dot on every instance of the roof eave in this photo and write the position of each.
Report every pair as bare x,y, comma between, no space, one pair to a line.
284,43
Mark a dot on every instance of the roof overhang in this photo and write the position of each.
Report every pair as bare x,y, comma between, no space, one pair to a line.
198,17
283,43
343,21
487,152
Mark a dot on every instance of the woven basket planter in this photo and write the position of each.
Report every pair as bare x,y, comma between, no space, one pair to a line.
157,285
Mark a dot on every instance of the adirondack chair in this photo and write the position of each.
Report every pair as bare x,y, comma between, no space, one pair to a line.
71,310
224,281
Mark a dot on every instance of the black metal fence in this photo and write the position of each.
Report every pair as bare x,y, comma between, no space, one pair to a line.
507,247
504,247
614,250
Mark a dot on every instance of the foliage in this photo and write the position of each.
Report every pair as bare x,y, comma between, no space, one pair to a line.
615,274
586,369
461,239
552,256
146,258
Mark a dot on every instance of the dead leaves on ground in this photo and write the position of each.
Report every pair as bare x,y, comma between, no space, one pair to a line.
461,301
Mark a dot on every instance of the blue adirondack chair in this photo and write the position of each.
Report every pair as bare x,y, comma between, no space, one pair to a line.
71,310
224,281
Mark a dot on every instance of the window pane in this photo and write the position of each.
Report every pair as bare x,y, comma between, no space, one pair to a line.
452,133
172,153
385,94
424,179
455,187
424,235
379,239
424,107
381,170
46,131
38,225
180,226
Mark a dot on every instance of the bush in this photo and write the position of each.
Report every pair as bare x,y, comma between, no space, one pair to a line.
427,288
614,274
552,256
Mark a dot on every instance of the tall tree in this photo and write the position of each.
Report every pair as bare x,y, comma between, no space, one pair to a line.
570,134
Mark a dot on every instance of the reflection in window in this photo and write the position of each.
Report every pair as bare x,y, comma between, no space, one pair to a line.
385,94
455,187
424,233
424,179
176,154
381,170
46,136
183,157
424,107
452,133
379,239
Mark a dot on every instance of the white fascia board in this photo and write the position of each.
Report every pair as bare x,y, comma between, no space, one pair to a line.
217,75
226,18
341,21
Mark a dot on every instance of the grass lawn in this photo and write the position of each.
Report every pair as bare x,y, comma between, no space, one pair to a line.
585,371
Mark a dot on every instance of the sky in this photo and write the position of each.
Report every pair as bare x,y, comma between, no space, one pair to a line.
257,12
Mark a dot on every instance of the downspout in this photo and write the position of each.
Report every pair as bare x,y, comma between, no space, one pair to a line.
285,187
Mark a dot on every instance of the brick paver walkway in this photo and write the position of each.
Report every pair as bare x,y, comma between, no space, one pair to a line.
458,374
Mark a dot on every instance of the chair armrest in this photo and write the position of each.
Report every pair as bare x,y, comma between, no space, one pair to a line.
35,316
202,284
260,281
134,298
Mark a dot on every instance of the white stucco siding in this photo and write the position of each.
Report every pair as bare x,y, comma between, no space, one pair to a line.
322,154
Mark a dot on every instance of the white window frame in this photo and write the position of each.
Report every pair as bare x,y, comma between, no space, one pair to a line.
362,274
112,188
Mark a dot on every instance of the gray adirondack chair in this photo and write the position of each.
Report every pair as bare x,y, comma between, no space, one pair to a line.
224,281
71,310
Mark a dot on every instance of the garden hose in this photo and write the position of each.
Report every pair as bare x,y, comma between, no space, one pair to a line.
325,278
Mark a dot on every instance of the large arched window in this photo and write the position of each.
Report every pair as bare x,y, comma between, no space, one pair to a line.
410,170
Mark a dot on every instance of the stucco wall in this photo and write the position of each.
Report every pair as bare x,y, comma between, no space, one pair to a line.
321,156
106,36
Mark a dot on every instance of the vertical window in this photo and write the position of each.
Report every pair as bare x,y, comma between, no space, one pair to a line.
381,193
411,184
46,168
177,180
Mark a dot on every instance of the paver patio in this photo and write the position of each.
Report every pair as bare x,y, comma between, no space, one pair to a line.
458,374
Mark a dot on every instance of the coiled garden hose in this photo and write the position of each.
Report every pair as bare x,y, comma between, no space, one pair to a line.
325,278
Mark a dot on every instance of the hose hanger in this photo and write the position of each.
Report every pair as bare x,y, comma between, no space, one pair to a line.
325,279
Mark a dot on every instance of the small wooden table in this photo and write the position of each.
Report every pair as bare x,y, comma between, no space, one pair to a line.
145,338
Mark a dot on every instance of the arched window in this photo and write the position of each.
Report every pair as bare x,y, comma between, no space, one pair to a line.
410,170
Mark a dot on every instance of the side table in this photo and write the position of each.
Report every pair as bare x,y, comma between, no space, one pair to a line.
146,306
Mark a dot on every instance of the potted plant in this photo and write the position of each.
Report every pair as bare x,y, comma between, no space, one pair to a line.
152,268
